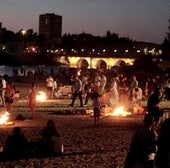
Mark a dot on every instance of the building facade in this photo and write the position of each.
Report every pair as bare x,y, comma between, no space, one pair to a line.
50,25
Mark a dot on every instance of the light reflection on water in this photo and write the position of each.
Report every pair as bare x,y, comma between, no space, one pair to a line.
10,70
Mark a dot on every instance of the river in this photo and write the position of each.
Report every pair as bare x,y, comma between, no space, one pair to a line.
25,70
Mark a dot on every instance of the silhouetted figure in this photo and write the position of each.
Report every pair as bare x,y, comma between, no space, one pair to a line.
15,145
153,105
9,96
163,154
77,91
49,83
143,146
50,142
88,89
96,106
32,100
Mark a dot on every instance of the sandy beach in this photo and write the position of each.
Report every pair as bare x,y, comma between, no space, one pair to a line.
85,146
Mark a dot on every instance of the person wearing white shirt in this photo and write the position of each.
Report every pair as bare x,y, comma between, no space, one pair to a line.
50,83
2,90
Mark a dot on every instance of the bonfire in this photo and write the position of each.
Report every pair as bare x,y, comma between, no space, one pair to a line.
4,118
41,96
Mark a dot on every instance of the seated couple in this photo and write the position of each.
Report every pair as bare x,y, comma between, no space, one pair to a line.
17,146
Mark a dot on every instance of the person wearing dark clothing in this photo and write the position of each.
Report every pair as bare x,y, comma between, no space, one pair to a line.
162,159
143,146
77,91
88,88
153,105
50,143
15,145
96,106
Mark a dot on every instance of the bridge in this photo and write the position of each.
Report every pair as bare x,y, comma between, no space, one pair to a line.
94,62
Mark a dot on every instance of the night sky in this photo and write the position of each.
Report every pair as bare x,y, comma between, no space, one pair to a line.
141,20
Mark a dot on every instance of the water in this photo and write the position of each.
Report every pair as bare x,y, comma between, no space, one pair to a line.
24,70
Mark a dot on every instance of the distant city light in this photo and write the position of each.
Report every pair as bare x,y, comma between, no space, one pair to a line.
23,32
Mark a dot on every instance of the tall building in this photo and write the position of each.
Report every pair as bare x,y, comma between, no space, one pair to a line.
50,25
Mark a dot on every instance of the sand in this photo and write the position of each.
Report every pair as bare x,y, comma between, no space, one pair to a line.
85,146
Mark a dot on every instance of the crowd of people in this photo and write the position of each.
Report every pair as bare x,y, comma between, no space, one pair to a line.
150,144
112,90
119,90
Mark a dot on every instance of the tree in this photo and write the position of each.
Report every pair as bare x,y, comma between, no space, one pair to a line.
166,45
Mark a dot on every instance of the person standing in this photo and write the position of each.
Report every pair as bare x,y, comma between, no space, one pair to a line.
50,83
97,82
2,90
102,84
9,96
77,91
88,89
113,94
153,105
55,87
96,106
123,90
32,100
133,84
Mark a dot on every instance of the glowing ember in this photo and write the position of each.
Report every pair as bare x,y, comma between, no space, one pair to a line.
41,96
4,117
119,111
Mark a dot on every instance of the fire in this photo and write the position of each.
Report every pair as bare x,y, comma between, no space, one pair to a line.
41,96
4,117
119,111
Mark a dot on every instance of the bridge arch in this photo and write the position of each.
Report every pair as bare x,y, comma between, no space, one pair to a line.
82,63
120,63
101,64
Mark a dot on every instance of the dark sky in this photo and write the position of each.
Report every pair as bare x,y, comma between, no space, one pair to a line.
141,20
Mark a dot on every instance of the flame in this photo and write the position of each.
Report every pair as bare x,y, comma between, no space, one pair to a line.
4,117
119,111
41,96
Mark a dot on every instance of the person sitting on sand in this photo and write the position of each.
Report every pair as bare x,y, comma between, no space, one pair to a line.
49,144
51,138
15,145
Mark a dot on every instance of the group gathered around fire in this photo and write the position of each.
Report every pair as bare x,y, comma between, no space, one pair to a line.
150,145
